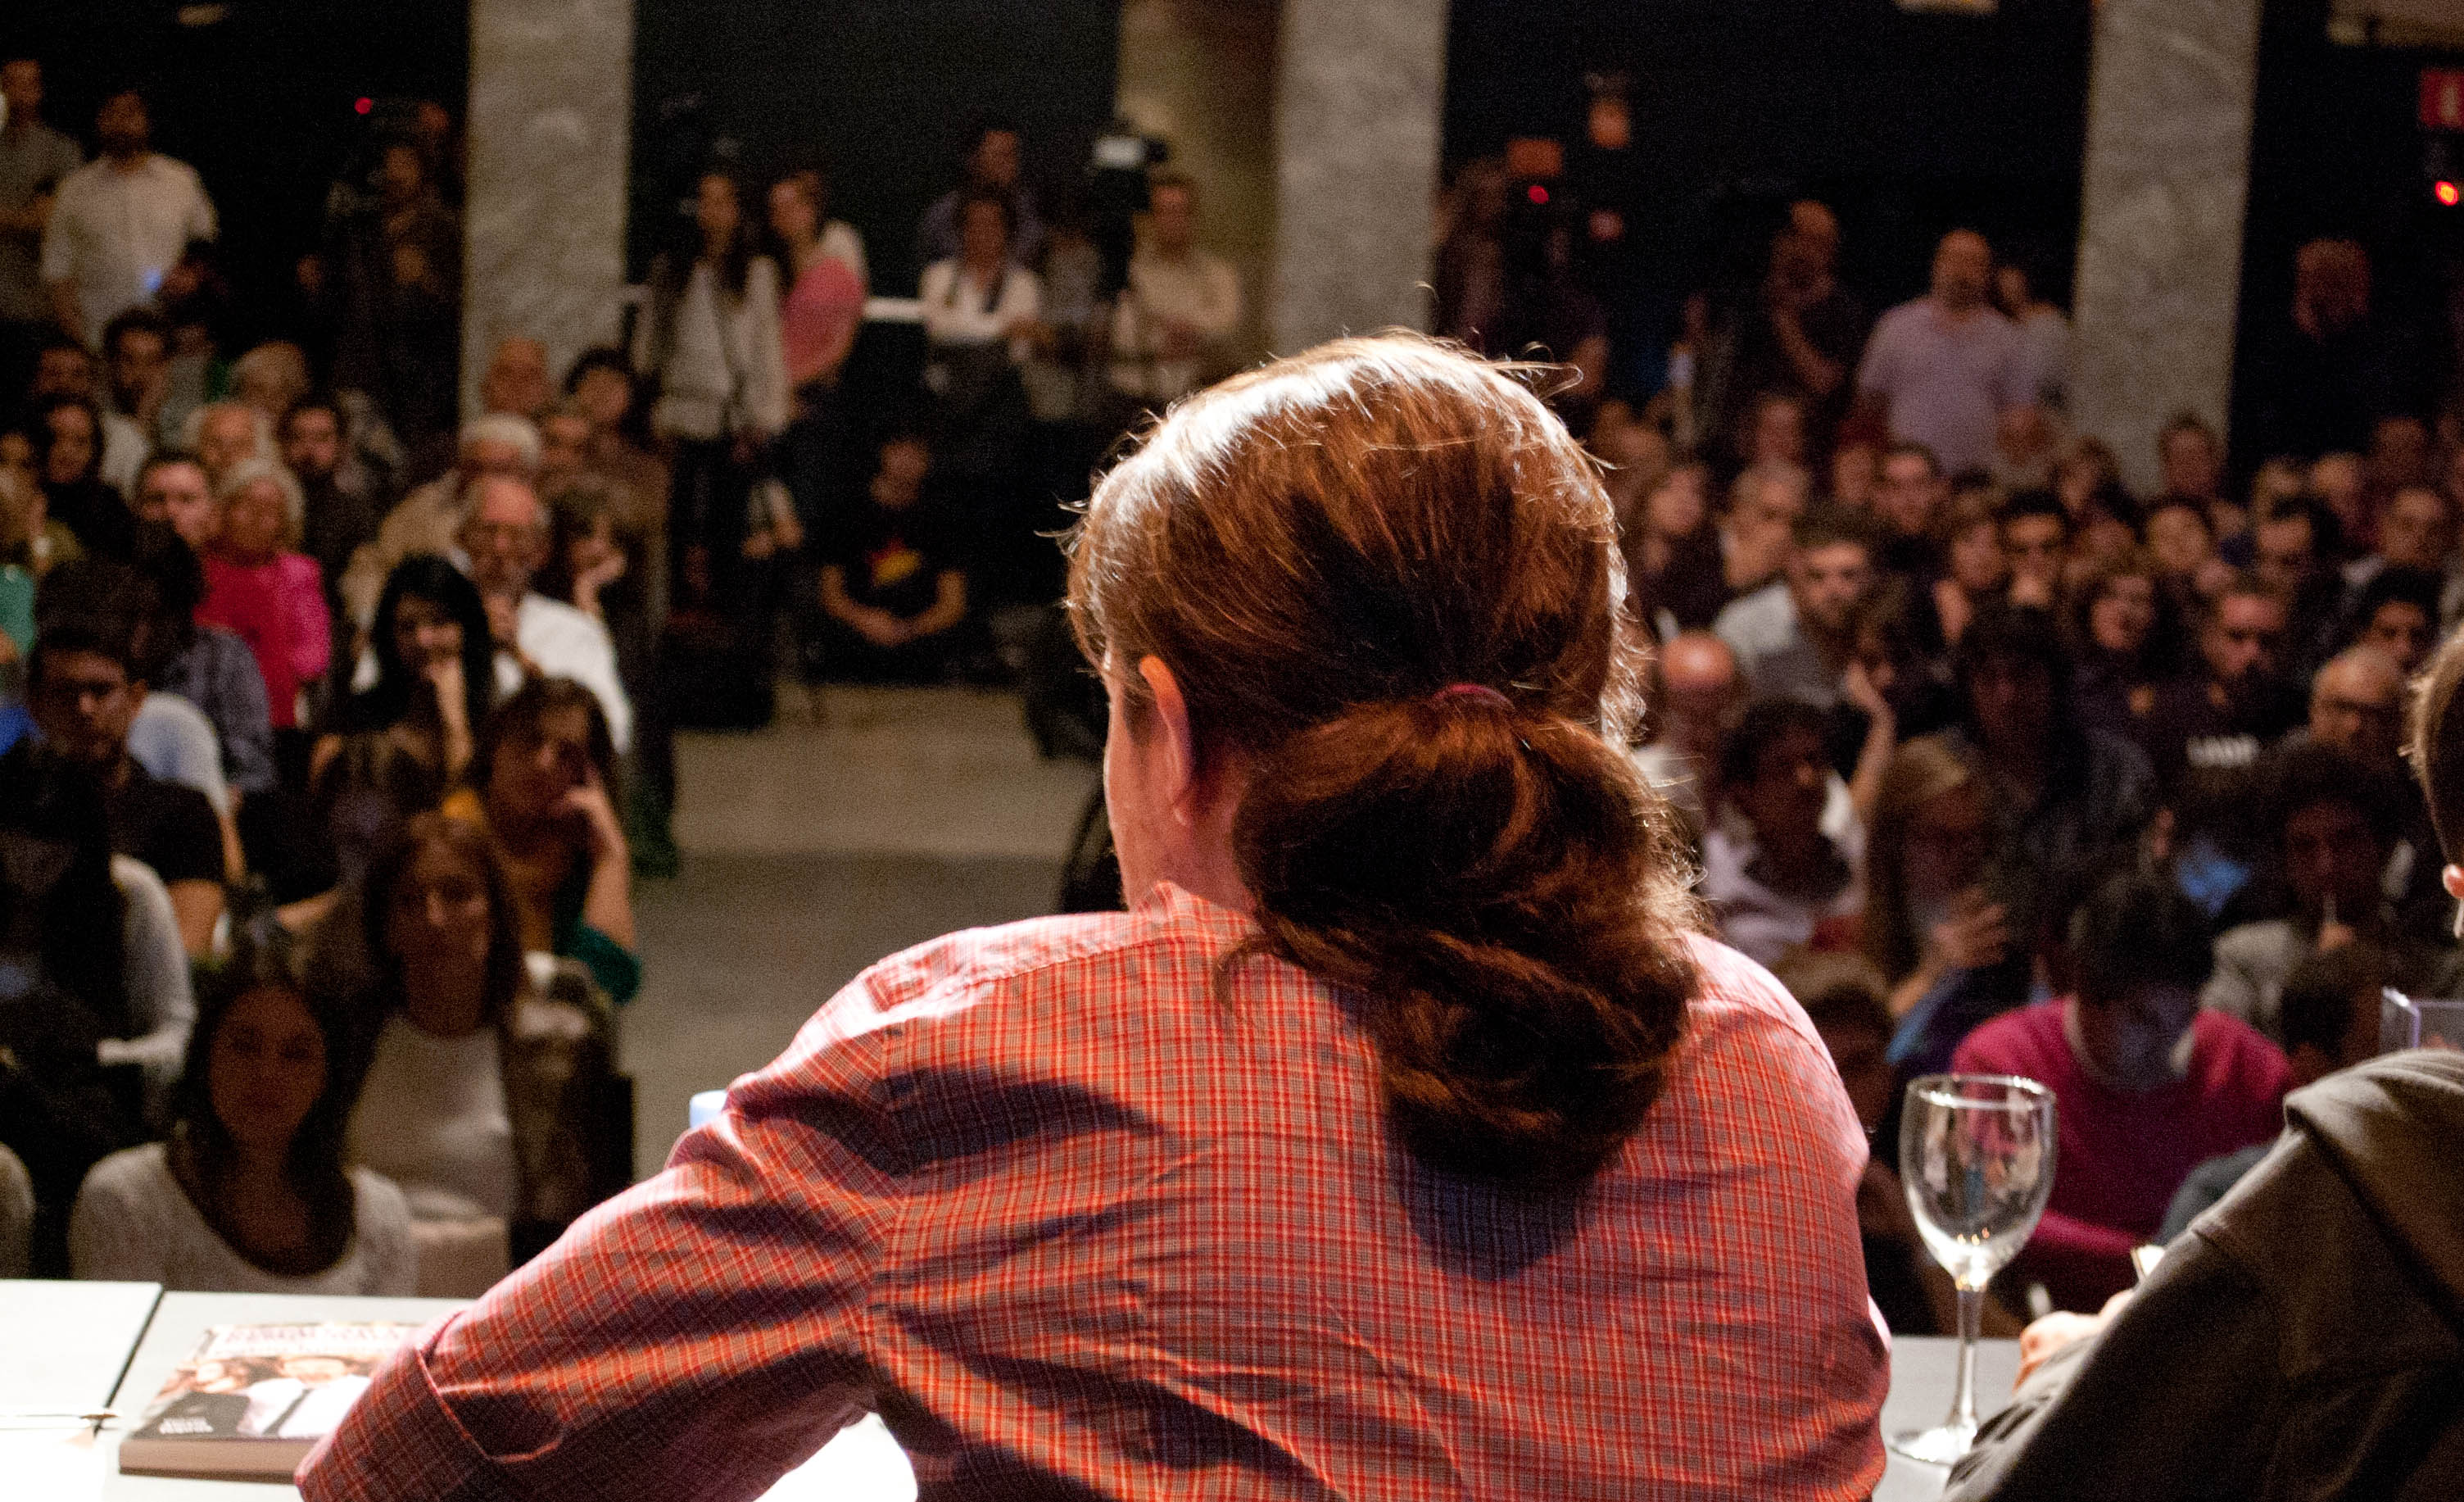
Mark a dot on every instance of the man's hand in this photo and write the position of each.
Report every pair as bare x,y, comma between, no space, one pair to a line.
2055,1331
504,621
882,628
588,808
1976,936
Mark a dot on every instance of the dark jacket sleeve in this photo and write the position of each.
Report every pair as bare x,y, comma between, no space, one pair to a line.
2164,1404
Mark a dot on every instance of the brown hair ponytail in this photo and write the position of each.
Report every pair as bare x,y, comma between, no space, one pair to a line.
1318,551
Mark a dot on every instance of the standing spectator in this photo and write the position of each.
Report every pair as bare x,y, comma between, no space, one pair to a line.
248,1192
121,223
991,168
983,314
2044,335
1173,322
264,592
2147,1084
1773,878
712,342
1801,335
395,297
1791,638
2320,380
35,160
826,289
1941,369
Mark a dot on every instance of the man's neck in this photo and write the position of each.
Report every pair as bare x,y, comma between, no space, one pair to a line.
1955,313
127,160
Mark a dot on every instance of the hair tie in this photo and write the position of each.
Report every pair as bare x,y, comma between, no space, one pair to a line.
1478,690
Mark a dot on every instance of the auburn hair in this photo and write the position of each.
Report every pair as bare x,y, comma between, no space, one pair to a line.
1316,550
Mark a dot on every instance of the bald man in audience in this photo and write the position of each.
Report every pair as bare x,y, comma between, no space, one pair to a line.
429,518
2357,706
1701,691
516,382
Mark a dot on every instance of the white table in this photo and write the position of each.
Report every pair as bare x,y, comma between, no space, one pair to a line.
1924,1370
65,1345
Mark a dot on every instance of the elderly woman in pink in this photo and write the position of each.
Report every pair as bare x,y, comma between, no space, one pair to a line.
257,588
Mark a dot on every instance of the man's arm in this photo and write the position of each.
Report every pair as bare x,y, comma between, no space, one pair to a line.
198,905
65,310
948,609
700,1334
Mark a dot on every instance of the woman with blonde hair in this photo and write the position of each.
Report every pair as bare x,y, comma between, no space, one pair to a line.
1408,1015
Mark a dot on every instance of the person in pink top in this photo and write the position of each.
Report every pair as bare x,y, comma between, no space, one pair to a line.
2146,1085
824,302
273,597
1400,1141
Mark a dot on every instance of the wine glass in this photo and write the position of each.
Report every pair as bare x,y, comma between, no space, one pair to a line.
1976,1157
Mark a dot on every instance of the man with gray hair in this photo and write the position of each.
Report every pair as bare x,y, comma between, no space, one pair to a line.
429,518
504,541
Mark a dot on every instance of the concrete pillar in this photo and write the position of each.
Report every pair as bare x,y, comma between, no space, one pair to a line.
1201,73
2170,96
1359,95
549,131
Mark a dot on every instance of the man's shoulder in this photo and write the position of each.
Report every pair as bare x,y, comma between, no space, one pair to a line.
552,624
1762,621
2023,1036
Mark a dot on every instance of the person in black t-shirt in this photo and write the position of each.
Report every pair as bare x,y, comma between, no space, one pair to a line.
893,584
85,693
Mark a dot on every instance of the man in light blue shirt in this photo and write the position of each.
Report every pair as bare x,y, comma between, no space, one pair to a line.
1941,369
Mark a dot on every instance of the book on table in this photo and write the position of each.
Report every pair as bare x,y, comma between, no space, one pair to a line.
253,1400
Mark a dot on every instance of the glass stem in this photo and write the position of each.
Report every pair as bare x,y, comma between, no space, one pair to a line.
1962,1400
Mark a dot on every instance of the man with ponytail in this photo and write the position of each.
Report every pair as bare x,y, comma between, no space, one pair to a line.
1405,1138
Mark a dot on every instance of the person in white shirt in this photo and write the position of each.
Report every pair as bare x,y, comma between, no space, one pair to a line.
979,297
1177,314
120,223
505,538
248,1192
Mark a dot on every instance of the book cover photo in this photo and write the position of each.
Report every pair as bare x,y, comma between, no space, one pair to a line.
253,1400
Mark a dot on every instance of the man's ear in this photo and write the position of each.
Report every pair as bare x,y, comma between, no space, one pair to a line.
1180,747
2452,879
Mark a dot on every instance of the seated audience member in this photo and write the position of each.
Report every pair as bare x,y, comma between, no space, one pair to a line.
435,666
84,690
172,489
1774,879
2191,468
1910,499
2035,535
2329,1020
2122,643
70,463
1895,686
154,962
2336,820
268,596
2147,1084
542,783
16,1217
1746,550
505,536
367,788
1975,571
1701,695
31,537
1604,1088
2063,794
2356,707
1672,525
587,567
1933,926
2397,613
1855,472
248,1192
480,1098
65,371
602,387
496,446
206,665
893,575
2185,550
2416,529
2293,548
1792,637
2208,727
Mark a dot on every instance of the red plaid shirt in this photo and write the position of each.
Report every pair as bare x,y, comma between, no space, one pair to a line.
1075,1227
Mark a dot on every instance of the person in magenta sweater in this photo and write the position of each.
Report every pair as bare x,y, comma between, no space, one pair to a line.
273,597
2146,1085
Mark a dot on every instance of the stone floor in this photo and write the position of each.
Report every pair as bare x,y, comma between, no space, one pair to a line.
866,820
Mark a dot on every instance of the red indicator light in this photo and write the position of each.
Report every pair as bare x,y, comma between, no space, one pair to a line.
2446,192
363,105
1540,196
